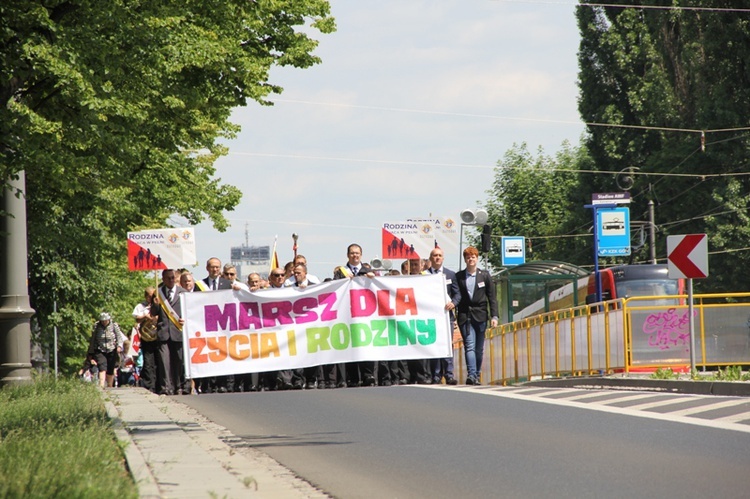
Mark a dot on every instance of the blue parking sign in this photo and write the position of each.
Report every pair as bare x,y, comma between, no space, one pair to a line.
613,231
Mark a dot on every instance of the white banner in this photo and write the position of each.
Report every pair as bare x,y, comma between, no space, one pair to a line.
160,249
348,320
407,240
446,235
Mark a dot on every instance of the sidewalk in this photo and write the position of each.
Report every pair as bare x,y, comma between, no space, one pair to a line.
173,451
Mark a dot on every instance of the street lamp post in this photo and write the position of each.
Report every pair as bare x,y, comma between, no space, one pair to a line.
15,309
471,218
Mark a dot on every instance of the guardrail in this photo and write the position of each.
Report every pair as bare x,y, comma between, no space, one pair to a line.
625,335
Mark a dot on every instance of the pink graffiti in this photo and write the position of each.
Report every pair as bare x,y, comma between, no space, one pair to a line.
668,329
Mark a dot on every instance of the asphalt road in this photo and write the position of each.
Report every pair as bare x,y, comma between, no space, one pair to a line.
414,441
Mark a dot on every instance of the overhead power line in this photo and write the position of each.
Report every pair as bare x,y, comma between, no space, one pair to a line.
630,6
702,176
512,118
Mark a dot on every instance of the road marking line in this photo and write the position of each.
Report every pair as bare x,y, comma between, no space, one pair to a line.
709,407
585,396
660,403
622,411
626,398
735,418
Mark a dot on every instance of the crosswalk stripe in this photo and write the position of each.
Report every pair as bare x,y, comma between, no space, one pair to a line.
708,407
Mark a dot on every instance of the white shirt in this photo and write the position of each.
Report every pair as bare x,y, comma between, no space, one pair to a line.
141,309
471,282
311,279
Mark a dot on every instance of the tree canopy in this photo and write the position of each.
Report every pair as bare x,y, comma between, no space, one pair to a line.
666,93
535,197
115,111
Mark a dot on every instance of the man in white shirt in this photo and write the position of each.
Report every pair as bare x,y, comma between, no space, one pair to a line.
230,273
311,278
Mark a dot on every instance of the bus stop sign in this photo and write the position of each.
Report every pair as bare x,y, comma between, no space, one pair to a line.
687,256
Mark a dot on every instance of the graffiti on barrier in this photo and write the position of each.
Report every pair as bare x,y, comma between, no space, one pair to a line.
668,329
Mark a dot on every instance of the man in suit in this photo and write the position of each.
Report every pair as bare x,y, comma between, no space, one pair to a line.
477,292
215,281
353,373
444,367
170,372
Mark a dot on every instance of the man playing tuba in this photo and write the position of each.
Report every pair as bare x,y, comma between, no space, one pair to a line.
145,326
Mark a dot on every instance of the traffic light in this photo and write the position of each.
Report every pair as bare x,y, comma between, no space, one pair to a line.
486,238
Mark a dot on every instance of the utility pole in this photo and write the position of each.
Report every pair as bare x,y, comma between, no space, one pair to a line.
651,231
15,308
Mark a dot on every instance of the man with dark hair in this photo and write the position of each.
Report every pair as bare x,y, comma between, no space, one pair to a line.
170,371
477,293
353,373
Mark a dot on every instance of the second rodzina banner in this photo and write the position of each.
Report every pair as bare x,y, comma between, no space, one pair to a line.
348,320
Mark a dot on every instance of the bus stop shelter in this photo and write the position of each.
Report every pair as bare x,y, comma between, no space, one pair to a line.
523,285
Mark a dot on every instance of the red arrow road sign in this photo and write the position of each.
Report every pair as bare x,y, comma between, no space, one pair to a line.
687,256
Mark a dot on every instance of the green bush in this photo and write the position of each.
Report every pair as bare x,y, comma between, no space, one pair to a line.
56,441
667,373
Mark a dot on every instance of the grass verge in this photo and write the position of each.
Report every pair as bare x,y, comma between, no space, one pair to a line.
57,441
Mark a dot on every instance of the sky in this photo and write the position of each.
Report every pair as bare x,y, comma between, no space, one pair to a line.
406,117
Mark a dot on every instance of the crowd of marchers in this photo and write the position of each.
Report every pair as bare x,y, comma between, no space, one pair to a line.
158,365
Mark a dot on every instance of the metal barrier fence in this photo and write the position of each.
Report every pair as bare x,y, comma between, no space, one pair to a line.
626,335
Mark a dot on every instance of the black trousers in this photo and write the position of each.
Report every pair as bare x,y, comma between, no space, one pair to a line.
334,373
148,371
170,368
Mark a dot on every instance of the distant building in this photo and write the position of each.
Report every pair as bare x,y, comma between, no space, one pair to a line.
249,259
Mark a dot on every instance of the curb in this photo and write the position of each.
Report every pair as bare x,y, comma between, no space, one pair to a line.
720,388
139,470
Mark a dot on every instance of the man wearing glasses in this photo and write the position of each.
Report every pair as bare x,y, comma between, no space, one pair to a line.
230,274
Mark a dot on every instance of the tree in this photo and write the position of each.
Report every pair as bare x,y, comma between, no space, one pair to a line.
667,92
538,198
115,110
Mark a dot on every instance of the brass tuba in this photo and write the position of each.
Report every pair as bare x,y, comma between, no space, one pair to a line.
147,328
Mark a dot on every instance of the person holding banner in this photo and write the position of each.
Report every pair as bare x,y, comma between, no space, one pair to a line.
254,282
214,282
309,375
419,369
477,293
170,367
292,280
354,373
230,273
443,368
